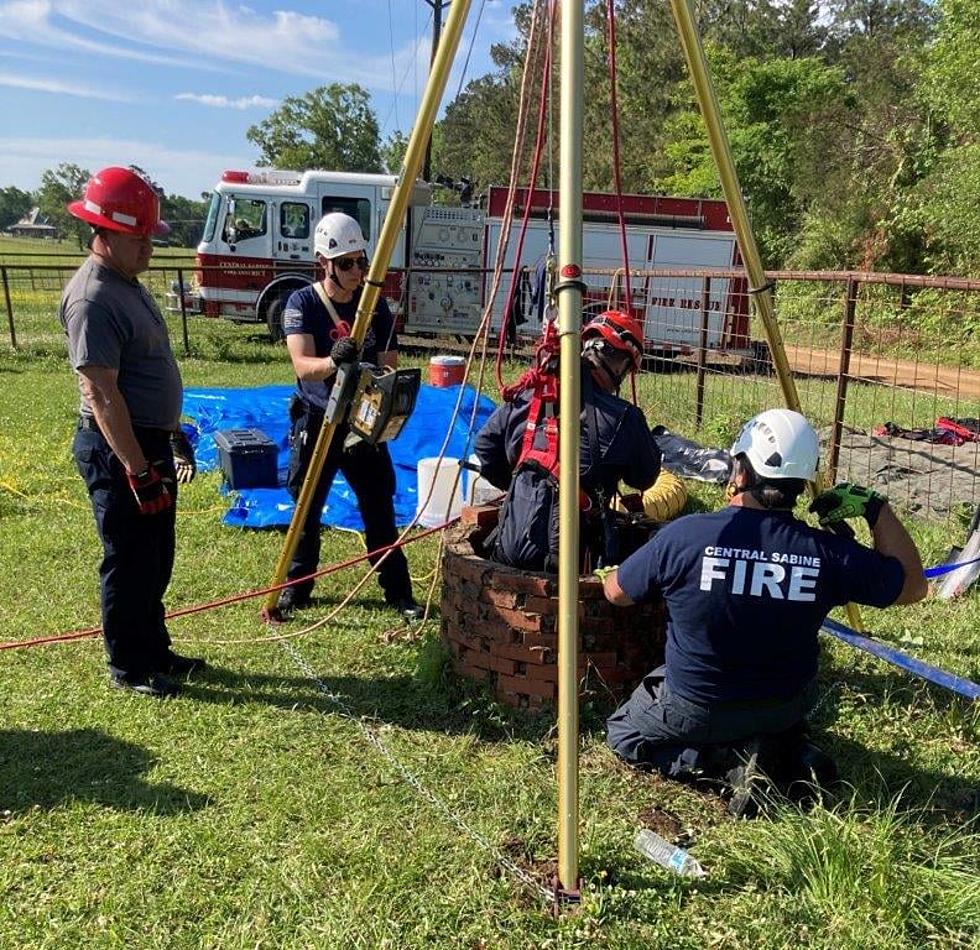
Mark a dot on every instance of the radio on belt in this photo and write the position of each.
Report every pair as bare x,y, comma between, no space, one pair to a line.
380,399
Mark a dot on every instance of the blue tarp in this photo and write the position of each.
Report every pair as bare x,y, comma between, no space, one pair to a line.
266,408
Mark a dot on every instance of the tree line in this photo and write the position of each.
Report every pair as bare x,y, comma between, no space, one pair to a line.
854,124
64,183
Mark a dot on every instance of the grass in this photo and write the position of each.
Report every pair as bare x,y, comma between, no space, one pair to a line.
255,812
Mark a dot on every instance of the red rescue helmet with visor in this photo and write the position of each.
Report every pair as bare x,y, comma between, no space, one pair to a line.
119,199
618,330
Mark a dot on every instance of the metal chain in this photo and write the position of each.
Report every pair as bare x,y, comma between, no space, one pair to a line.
519,873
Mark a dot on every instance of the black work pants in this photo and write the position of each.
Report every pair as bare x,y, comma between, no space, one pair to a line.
137,551
371,476
655,727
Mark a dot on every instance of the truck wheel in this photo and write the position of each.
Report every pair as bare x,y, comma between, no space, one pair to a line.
273,317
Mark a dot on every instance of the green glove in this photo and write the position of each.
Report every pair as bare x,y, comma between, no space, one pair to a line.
848,501
603,572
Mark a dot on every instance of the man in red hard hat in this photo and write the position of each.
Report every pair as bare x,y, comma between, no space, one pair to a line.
129,447
518,450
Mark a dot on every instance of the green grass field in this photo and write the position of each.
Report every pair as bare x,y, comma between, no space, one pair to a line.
267,809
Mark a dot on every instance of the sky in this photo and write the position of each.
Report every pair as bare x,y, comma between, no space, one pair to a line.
173,85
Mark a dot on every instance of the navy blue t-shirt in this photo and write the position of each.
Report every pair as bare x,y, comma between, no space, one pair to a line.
746,592
305,313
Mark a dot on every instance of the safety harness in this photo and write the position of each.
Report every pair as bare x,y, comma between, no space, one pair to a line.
540,444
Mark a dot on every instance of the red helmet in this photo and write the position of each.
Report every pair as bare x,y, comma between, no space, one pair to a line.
620,331
120,200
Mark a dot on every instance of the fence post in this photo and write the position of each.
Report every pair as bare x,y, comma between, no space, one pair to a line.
702,352
183,310
847,338
10,307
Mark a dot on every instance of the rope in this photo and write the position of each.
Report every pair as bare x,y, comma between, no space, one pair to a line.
617,170
533,177
233,599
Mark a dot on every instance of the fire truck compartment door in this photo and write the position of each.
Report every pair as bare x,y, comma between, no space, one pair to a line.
673,312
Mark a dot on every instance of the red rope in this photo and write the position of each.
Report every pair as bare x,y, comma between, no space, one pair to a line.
617,170
234,599
525,220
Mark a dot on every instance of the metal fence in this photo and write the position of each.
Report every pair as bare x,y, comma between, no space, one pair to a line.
887,366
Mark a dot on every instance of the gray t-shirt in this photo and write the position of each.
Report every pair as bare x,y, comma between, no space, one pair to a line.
114,322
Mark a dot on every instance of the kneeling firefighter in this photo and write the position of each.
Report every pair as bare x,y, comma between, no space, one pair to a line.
518,448
317,323
747,589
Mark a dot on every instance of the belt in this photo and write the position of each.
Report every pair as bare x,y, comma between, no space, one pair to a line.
88,422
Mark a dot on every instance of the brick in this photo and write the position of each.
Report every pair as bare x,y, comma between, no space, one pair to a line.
541,605
502,664
517,619
590,590
597,626
483,516
472,569
525,583
524,654
547,673
500,598
527,687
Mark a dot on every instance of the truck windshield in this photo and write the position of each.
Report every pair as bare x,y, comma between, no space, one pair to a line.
212,220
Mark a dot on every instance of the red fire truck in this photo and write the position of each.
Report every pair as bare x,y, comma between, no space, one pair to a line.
257,248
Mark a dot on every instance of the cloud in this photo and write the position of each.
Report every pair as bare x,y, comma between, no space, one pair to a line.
33,22
59,87
223,102
180,171
216,35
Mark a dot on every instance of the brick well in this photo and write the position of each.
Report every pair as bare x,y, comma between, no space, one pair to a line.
500,625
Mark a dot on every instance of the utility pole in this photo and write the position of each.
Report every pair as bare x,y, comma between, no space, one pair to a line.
437,7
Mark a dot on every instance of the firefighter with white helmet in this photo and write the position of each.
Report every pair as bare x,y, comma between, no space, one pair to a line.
317,323
128,447
518,449
747,589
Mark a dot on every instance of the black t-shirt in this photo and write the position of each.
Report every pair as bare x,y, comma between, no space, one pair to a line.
305,313
746,592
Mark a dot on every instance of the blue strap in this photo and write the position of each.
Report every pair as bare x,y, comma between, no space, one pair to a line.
941,569
911,665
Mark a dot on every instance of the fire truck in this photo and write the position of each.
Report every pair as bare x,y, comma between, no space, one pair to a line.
257,248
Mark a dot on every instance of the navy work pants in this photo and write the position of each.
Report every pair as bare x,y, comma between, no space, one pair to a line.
137,551
371,476
656,727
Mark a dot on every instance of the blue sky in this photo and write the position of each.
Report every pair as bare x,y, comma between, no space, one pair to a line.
172,85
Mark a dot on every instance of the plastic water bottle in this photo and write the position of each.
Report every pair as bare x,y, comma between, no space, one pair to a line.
667,855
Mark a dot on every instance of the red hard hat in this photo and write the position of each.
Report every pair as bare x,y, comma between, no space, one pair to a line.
620,331
121,200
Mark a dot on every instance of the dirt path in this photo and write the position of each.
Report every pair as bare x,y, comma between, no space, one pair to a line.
909,374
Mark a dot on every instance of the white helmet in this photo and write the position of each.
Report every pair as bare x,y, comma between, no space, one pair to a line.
779,443
336,234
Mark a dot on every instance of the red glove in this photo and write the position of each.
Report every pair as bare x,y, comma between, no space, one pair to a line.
150,490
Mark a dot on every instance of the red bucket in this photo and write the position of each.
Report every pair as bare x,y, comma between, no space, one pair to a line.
446,370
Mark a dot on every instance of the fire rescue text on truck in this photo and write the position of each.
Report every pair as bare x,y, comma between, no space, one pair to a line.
257,248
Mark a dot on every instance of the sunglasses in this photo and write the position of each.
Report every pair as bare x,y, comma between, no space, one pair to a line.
346,263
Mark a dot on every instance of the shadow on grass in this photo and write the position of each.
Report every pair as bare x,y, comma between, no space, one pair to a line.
417,703
46,769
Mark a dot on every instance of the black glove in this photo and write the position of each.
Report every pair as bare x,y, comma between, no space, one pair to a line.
345,350
184,461
150,490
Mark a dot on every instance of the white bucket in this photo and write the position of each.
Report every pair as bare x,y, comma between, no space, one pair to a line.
478,490
444,503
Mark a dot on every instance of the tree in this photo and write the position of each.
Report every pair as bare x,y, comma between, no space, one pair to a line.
331,127
14,204
393,151
781,117
186,219
59,186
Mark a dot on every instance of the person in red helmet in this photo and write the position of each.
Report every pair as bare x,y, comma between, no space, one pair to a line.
518,451
128,447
